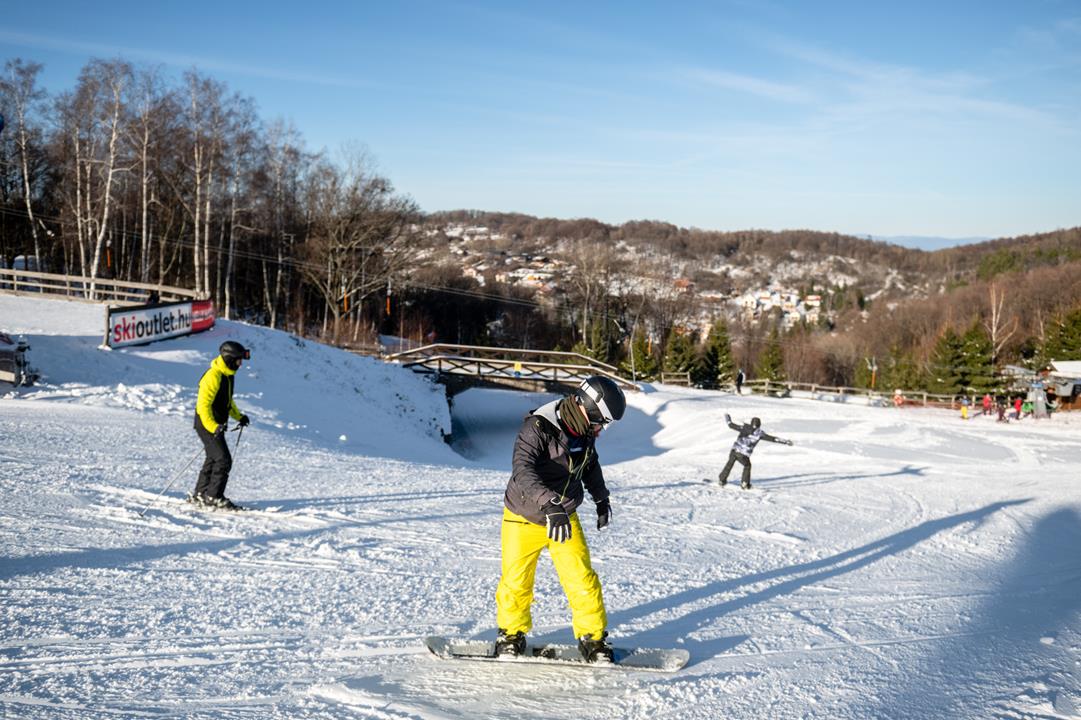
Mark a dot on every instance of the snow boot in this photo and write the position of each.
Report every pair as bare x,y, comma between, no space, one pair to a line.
223,503
722,480
509,644
199,500
746,484
596,650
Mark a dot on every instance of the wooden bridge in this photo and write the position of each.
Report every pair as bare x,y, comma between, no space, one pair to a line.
463,366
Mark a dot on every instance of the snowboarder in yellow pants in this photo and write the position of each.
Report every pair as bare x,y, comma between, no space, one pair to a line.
553,465
523,543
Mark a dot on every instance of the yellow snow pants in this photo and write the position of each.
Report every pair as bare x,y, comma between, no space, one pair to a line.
523,542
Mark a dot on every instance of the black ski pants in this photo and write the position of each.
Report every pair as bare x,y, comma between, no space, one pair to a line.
219,461
733,458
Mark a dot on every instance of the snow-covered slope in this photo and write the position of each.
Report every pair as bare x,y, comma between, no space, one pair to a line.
891,564
291,387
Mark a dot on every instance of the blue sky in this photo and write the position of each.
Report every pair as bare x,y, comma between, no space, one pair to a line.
953,119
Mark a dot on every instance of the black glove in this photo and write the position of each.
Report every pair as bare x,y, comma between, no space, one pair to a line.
220,430
727,418
604,513
559,522
244,421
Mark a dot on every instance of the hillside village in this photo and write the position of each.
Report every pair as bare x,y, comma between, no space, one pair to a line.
470,246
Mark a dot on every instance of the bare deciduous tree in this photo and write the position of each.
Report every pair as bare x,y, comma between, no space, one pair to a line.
999,328
361,234
19,88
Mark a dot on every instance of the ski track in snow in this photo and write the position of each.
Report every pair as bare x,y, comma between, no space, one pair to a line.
890,564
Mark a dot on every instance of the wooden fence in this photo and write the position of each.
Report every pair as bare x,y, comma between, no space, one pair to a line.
76,287
840,394
676,378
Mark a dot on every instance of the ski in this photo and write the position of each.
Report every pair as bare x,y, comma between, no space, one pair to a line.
653,659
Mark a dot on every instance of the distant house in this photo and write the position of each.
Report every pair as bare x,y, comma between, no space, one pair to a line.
1065,380
684,284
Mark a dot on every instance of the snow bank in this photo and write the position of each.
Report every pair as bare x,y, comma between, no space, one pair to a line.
291,386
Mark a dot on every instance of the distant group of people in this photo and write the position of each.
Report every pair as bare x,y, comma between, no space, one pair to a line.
1000,406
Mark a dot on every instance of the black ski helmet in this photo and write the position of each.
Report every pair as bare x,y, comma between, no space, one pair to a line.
232,352
602,399
756,423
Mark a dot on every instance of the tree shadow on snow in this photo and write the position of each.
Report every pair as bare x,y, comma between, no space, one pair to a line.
805,479
116,557
343,502
1014,633
783,581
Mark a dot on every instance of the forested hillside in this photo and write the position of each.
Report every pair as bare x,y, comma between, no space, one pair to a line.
135,175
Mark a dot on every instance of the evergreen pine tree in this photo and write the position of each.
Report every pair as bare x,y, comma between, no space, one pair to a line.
680,355
947,359
771,361
1063,338
645,366
715,367
900,371
865,377
978,372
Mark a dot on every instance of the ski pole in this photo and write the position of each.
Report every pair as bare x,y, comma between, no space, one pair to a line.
236,447
171,481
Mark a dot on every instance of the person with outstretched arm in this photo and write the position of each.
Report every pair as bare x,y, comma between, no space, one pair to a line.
749,435
213,407
554,464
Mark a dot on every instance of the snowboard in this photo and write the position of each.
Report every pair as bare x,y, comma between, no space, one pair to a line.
714,481
655,659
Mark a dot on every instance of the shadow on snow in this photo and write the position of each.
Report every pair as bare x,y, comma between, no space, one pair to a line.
1025,629
782,581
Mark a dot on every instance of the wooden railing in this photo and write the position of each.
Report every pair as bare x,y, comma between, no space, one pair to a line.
676,378
76,287
913,397
511,364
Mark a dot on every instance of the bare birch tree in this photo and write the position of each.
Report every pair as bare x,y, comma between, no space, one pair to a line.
999,329
19,86
148,129
361,235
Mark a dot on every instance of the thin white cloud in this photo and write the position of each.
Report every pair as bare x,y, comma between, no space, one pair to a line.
750,85
78,47
864,88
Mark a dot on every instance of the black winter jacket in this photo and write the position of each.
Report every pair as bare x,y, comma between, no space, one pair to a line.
544,467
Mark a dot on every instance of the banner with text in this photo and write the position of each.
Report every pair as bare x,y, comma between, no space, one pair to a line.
147,323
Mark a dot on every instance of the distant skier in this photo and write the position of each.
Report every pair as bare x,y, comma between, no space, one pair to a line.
740,377
749,435
213,408
554,462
